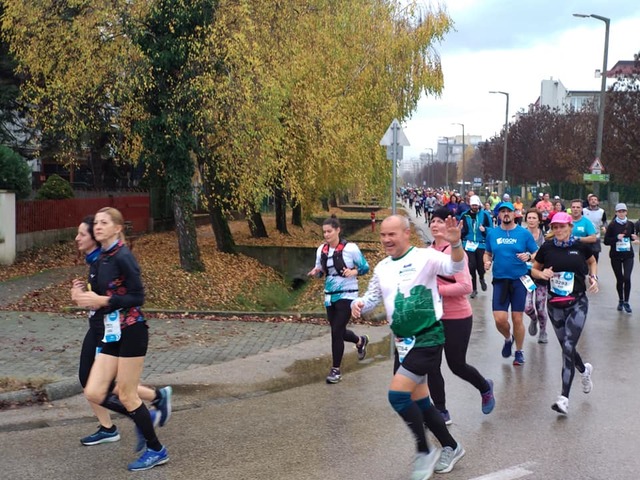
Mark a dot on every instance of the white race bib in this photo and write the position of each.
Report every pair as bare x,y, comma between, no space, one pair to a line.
471,246
528,283
404,346
623,245
112,331
562,283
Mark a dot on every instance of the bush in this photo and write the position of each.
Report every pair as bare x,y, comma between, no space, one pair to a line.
15,174
55,188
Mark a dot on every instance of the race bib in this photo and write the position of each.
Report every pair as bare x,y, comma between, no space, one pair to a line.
327,300
471,246
528,283
623,245
112,331
562,283
404,346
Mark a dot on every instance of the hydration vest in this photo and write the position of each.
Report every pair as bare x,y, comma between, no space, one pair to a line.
338,261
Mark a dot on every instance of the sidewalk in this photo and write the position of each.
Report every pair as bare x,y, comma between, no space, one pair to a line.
204,360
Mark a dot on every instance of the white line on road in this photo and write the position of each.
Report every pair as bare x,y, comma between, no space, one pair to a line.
510,473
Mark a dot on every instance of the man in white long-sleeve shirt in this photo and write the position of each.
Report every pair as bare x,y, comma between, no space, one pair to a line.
406,282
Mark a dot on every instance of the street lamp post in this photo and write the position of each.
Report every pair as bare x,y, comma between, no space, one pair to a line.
463,145
506,135
603,85
429,167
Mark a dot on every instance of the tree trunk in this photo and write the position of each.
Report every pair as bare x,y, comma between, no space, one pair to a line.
220,227
296,215
256,225
333,201
281,210
325,203
190,260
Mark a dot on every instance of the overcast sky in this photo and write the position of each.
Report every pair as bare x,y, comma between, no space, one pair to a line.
512,45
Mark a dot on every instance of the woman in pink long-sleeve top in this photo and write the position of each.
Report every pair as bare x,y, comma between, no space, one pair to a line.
457,320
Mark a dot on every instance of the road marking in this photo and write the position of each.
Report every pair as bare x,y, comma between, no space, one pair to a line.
510,473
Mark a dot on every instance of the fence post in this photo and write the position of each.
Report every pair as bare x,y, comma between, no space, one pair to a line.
7,227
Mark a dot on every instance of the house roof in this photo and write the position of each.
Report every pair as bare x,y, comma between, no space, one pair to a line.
623,68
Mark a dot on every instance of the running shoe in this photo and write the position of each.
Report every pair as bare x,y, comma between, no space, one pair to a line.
561,405
627,307
101,436
474,294
620,305
149,459
533,328
448,458
156,416
362,347
424,464
488,400
543,338
519,358
483,285
334,375
587,384
446,416
163,404
506,349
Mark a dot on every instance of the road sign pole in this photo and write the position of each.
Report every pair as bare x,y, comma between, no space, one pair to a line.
394,169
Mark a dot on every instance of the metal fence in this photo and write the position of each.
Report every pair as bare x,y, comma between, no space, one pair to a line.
41,215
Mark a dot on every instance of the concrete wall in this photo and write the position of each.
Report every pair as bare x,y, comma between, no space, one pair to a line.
25,241
292,262
7,227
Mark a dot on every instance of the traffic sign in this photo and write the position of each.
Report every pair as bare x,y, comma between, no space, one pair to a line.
388,137
596,167
595,177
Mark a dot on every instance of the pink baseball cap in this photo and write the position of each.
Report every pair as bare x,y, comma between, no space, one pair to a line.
561,217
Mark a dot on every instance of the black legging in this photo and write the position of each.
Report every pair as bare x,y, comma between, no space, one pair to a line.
568,324
339,314
476,264
456,334
622,268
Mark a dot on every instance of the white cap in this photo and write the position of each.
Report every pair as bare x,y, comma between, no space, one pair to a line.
621,206
475,200
506,196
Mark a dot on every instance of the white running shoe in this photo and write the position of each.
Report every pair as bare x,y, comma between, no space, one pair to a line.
561,405
449,458
587,384
424,464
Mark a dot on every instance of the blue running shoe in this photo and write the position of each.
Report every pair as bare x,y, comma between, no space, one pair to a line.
163,404
156,416
488,400
446,416
506,349
519,358
149,459
101,436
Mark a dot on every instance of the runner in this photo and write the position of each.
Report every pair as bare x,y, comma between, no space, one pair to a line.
619,235
92,345
565,263
536,303
598,217
475,224
509,247
457,320
117,294
341,263
583,230
406,282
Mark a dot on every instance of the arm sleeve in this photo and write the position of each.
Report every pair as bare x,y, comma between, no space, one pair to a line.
373,295
609,236
134,295
358,259
318,264
462,285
